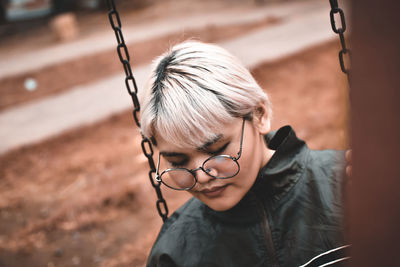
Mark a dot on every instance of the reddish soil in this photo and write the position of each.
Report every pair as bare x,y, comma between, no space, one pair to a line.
84,198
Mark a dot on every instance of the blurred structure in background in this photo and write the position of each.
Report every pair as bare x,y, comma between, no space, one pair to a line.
375,82
20,9
65,27
14,10
59,16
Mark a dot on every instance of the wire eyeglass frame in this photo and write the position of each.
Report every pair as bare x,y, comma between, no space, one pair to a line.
193,171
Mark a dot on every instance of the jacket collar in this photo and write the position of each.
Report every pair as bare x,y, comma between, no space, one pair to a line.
285,167
275,179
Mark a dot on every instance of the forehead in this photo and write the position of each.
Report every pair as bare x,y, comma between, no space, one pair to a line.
223,133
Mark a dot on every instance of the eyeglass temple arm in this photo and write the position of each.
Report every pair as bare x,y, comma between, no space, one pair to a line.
157,169
241,141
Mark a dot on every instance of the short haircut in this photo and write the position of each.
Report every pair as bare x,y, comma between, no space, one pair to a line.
194,89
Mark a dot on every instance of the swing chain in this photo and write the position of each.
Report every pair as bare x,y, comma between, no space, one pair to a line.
344,51
131,86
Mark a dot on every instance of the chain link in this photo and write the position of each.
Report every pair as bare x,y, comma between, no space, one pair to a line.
344,51
131,86
133,81
124,53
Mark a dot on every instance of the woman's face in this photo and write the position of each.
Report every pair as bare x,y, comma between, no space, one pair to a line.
221,194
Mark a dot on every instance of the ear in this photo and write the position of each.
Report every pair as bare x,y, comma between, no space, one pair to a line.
262,119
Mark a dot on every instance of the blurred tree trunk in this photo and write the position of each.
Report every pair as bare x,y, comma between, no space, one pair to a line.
375,84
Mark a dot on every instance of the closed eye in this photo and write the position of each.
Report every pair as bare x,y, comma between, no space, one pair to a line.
182,163
179,164
220,150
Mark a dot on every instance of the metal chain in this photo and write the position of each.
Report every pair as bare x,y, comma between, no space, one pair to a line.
131,86
344,51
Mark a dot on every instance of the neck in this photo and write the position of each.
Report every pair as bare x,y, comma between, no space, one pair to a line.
267,153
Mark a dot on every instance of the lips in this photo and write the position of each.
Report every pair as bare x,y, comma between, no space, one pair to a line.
213,191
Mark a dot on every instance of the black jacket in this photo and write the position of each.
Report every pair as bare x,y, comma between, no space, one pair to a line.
292,214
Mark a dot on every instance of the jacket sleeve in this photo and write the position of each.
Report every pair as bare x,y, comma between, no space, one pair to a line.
160,260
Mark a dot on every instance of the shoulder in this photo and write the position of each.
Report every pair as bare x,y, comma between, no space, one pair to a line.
183,227
329,155
327,163
325,181
190,212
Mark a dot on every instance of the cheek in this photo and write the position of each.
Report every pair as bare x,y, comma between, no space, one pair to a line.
250,164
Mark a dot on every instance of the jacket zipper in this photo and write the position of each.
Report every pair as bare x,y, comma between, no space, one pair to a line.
268,237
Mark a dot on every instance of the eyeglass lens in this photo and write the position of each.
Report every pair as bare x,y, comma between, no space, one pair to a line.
218,167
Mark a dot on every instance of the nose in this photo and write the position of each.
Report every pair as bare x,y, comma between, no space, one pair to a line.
203,177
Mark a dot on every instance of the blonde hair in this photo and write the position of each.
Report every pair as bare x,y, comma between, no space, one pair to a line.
194,89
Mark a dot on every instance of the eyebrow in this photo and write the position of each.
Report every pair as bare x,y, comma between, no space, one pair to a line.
172,154
210,143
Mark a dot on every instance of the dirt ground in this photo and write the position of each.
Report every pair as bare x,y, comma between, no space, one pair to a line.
84,199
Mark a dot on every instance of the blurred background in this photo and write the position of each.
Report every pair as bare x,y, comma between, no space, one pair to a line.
74,188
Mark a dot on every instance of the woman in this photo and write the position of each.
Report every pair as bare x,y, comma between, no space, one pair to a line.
260,198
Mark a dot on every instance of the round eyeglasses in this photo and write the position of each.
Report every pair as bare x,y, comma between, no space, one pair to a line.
219,167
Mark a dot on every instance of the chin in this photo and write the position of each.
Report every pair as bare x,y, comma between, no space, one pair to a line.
220,205
218,208
222,201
